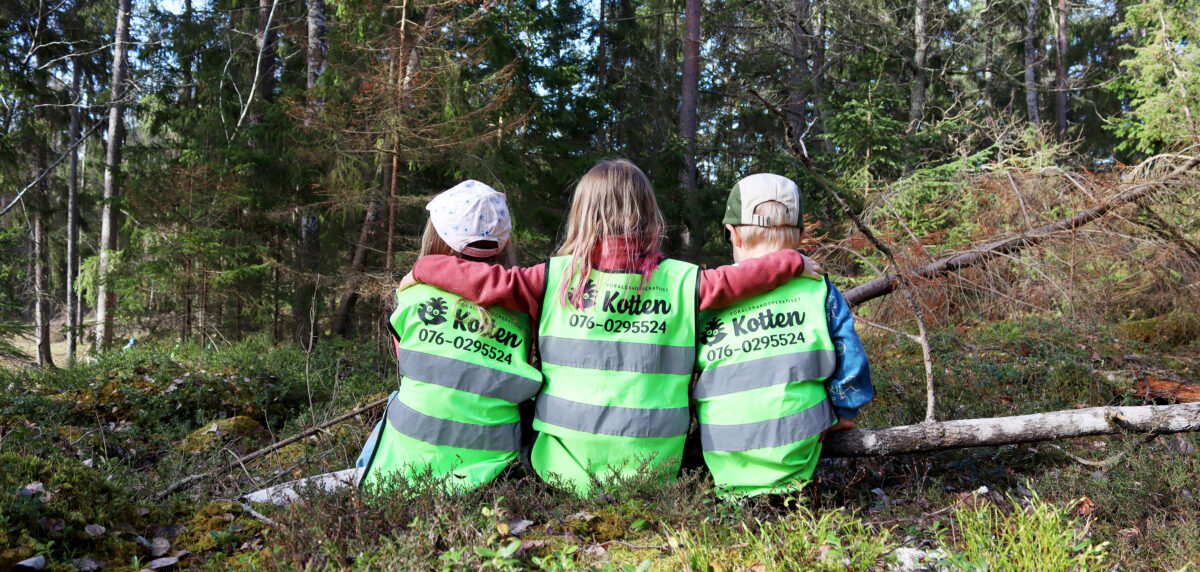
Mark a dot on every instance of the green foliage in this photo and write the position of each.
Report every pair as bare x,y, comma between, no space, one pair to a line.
1162,76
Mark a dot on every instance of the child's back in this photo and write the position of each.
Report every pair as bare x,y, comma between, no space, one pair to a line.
761,396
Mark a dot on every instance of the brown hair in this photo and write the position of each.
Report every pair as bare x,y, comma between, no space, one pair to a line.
614,198
781,237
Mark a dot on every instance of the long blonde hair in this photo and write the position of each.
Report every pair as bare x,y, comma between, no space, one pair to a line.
432,243
614,198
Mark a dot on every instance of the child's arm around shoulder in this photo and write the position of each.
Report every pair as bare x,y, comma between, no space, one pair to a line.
850,386
485,284
720,287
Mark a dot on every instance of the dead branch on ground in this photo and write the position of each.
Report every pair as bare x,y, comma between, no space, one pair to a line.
928,437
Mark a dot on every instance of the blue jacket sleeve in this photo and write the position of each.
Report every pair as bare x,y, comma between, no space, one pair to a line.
850,386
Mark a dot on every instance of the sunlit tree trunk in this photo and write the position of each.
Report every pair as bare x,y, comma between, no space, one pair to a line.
105,297
687,124
316,52
1060,73
1031,100
73,215
917,93
41,307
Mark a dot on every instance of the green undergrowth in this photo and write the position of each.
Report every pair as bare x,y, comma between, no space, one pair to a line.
104,439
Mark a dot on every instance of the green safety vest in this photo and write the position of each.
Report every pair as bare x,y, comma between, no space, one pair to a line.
616,373
456,411
760,397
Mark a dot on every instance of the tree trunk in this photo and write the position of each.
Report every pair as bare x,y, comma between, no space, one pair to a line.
41,306
1060,73
817,49
917,93
341,320
887,284
988,61
687,125
801,71
927,437
1031,102
106,298
73,215
316,53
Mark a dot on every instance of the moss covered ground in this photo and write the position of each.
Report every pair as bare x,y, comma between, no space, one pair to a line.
85,452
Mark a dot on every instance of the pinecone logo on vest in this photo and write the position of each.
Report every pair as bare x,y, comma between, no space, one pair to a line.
714,332
432,311
589,294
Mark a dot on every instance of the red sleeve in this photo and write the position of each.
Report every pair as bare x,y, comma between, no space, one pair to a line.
515,288
720,287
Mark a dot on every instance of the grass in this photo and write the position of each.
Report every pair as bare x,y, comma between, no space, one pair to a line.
113,430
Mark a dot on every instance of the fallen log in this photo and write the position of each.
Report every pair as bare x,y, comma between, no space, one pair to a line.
964,433
887,284
1150,386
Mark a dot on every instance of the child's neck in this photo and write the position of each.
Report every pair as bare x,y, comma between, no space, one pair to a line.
747,254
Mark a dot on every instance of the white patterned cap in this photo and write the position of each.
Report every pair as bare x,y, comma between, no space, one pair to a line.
471,212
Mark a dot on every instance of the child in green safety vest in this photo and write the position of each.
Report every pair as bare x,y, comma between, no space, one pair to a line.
778,370
465,368
616,326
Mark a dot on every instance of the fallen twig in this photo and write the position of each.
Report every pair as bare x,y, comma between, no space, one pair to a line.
192,479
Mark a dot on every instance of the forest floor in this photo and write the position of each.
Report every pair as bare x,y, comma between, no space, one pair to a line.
86,451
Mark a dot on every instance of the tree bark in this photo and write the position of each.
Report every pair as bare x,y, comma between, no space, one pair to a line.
73,215
41,307
688,111
316,52
106,298
887,284
1031,102
341,320
1060,73
928,437
801,70
917,93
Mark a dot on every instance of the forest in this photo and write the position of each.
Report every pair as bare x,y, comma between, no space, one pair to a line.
205,207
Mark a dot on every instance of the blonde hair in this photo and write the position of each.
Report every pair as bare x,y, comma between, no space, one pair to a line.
614,198
781,237
432,243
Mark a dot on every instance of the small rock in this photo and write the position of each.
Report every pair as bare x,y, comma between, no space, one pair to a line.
94,530
519,526
35,490
982,490
159,546
908,559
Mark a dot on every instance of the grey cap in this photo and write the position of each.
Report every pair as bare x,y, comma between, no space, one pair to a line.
755,190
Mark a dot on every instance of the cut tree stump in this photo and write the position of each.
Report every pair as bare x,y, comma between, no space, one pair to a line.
928,437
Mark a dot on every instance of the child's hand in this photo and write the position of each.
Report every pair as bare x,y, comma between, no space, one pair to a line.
812,269
839,426
408,279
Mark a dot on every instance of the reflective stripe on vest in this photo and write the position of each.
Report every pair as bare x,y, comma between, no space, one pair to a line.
769,433
765,372
618,356
465,376
613,420
408,421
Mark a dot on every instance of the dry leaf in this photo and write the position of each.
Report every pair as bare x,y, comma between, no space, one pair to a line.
162,563
1085,507
94,530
